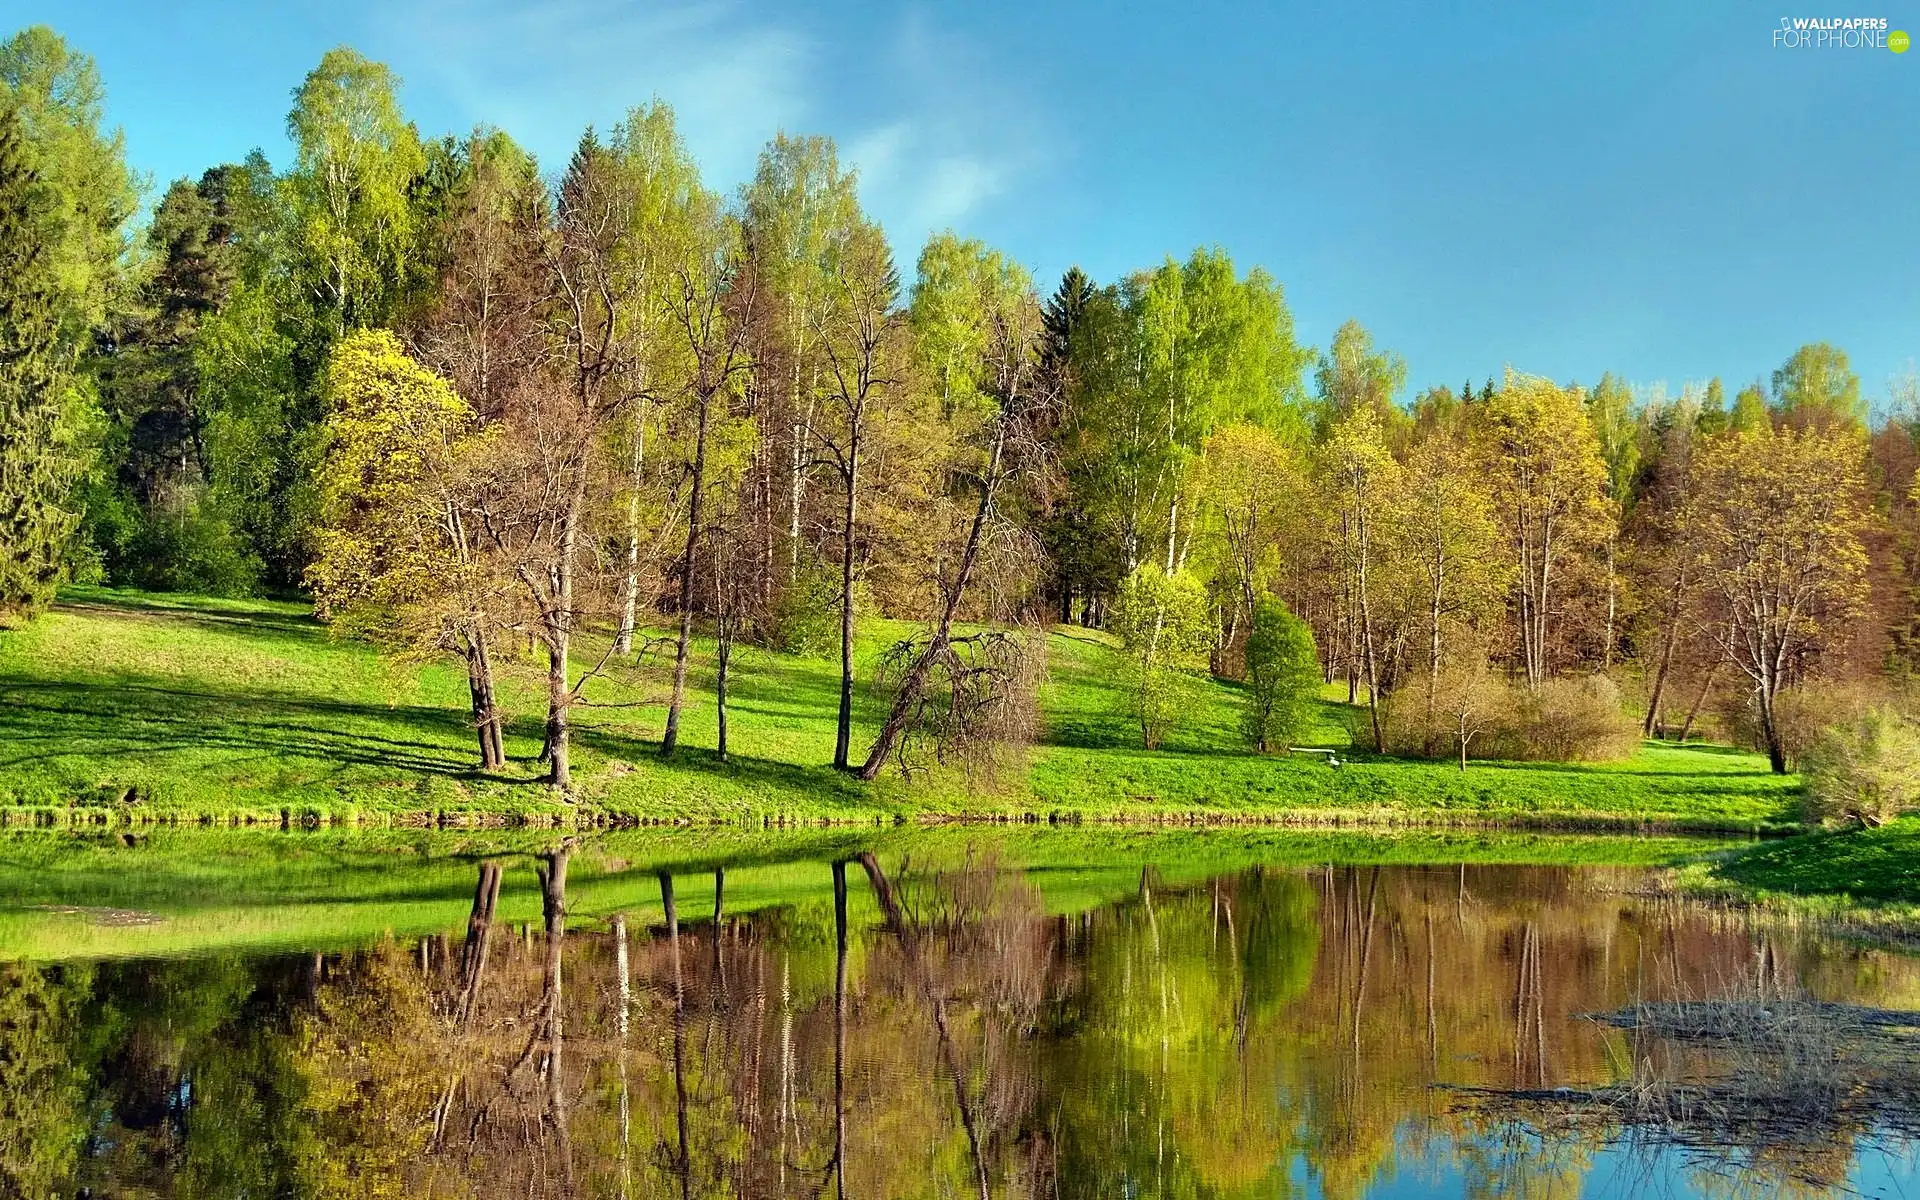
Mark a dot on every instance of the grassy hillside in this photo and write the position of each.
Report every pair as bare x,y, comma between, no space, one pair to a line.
123,704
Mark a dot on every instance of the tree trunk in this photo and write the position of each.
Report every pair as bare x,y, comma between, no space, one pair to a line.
630,594
559,635
913,686
486,713
1653,725
671,738
723,659
559,769
1699,698
843,732
1776,753
473,954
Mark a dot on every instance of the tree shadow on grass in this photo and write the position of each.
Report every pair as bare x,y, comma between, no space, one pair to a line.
126,718
143,721
143,607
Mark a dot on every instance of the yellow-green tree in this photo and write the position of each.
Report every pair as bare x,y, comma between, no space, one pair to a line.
396,557
1250,484
1446,537
1548,488
1776,518
1164,623
1358,478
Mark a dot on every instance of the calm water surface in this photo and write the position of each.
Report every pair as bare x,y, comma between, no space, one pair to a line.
947,1016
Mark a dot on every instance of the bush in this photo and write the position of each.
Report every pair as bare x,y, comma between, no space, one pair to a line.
805,618
1573,720
1865,769
1564,720
1283,676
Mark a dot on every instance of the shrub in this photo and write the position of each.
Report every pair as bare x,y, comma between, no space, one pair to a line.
1480,715
1865,769
805,617
1283,676
1573,720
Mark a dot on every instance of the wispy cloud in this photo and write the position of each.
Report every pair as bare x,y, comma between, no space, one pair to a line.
935,130
955,134
543,70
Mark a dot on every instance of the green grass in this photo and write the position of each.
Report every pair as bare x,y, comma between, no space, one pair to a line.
77,894
1874,865
120,706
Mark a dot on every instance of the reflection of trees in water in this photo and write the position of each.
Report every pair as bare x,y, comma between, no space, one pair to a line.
930,1031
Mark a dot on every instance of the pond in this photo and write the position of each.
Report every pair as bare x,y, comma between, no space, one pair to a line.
951,1012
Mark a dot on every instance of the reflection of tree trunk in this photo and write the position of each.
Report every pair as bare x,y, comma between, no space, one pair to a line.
683,1160
473,966
1433,1028
553,904
784,1104
473,954
622,1023
840,1030
1366,958
910,948
719,916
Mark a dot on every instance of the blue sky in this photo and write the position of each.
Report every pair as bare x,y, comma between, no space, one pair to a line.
1650,189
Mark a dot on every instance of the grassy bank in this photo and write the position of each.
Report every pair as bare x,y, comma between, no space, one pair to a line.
1864,877
130,706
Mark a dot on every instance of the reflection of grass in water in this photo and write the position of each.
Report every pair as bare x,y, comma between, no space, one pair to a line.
233,889
128,704
1781,1088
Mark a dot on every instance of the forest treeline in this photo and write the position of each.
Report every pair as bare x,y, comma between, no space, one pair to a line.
605,413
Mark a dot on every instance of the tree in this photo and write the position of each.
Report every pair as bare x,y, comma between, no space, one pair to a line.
1776,519
1353,376
1544,466
1213,348
1610,409
38,458
1472,698
978,326
545,481
1359,477
397,554
356,157
707,267
155,518
1816,389
82,194
1444,527
1283,676
859,336
1165,627
673,276
801,214
1866,770
1250,485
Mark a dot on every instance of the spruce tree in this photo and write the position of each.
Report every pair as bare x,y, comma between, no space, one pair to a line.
37,466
